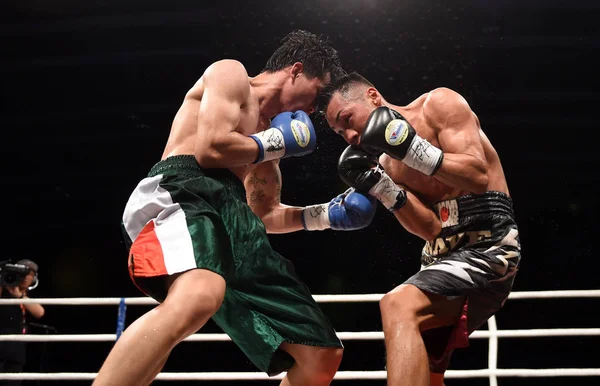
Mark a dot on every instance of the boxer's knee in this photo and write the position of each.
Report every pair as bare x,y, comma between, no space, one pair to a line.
314,365
401,305
409,305
324,364
193,298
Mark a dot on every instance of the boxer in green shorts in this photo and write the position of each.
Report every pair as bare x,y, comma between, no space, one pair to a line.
197,224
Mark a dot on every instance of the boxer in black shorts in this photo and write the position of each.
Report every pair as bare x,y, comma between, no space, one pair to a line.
432,166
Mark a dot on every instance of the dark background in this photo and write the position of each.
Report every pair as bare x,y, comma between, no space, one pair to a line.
89,90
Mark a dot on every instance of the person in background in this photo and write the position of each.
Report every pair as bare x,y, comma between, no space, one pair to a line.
13,320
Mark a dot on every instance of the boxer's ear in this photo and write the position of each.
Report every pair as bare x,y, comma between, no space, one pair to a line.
296,69
373,96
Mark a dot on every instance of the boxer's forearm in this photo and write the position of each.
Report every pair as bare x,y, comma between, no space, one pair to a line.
283,219
418,219
463,171
226,150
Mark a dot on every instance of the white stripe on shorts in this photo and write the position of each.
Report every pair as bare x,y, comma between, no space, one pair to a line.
456,268
150,202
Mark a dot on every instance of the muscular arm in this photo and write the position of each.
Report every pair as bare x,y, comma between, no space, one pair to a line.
464,166
225,90
263,193
417,218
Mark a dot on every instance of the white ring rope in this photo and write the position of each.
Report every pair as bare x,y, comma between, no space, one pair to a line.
361,298
493,349
366,335
492,334
340,375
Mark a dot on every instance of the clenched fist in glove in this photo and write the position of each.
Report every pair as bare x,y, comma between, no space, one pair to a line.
388,132
289,135
346,212
363,172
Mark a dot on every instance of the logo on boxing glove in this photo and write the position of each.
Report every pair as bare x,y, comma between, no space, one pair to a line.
301,132
396,132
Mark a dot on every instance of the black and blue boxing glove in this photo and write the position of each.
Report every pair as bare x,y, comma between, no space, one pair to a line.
363,172
347,212
290,134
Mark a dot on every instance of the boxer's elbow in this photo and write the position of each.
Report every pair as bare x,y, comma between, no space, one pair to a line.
465,172
478,178
268,220
480,181
214,153
210,158
430,229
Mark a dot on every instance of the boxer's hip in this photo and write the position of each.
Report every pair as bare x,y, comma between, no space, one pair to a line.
484,223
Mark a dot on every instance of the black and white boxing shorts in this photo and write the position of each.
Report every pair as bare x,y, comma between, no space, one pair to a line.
476,255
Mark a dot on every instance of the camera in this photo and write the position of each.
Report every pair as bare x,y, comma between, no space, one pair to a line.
11,275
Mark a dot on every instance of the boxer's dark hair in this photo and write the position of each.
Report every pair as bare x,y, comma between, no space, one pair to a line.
343,85
317,56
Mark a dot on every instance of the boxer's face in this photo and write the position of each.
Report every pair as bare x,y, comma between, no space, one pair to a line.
347,116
